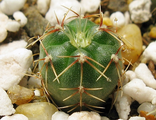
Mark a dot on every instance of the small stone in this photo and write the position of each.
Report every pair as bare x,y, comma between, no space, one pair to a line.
137,118
130,75
3,34
3,30
56,7
84,115
146,106
152,33
122,104
6,107
91,5
146,115
37,111
20,95
34,82
140,10
7,24
149,53
142,72
10,6
106,21
138,90
42,6
132,39
37,92
104,118
59,115
36,24
127,17
9,47
3,17
118,5
20,17
13,66
118,19
15,117
12,26
129,1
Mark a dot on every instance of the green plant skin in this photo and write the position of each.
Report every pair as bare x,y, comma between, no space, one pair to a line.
102,46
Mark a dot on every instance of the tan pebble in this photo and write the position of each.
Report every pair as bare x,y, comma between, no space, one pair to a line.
151,67
97,21
106,21
131,36
129,1
20,95
37,111
152,33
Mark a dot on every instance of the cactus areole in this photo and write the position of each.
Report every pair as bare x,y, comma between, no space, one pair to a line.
80,65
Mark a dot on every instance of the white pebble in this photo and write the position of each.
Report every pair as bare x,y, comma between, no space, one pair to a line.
130,74
3,34
10,6
42,6
84,115
142,72
20,17
7,24
37,92
3,31
13,67
15,117
59,115
6,107
140,10
90,5
56,7
3,17
150,53
12,26
9,47
127,17
146,106
122,104
104,118
137,118
139,92
34,82
118,19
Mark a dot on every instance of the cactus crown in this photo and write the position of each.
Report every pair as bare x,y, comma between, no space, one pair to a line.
81,37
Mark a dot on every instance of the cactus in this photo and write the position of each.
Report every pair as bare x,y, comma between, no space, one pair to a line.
80,63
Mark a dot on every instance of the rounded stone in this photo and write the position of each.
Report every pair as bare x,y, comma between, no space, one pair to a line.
132,39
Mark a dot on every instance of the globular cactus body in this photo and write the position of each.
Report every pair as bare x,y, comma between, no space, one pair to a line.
80,72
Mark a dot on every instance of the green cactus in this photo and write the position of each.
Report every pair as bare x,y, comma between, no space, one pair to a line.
81,64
